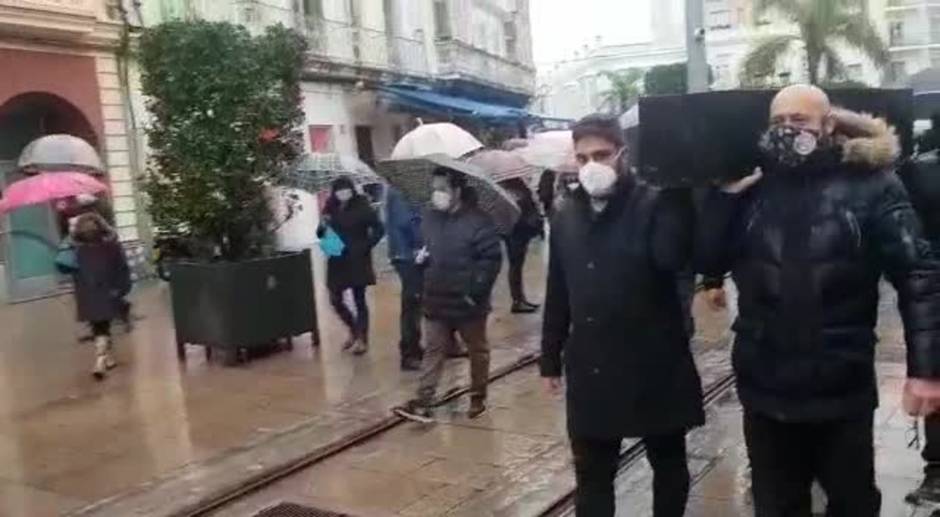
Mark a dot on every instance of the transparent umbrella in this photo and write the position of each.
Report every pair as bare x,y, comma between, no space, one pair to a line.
440,138
315,172
58,153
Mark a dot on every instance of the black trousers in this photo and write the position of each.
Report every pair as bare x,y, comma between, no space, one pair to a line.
786,458
931,453
100,328
516,250
357,324
595,466
412,288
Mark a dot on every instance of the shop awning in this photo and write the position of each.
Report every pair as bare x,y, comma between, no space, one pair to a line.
430,101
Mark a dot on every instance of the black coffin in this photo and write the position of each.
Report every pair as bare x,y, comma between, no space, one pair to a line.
238,306
704,138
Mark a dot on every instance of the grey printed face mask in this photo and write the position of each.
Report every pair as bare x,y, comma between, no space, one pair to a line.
788,146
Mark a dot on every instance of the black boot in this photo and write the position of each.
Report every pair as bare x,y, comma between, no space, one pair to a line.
520,307
411,364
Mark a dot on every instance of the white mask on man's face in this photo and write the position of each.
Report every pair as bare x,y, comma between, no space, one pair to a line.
441,200
344,195
598,179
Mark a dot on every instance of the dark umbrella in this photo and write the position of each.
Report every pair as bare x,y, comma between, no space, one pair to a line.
412,178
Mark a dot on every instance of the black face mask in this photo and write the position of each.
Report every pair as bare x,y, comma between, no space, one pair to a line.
789,147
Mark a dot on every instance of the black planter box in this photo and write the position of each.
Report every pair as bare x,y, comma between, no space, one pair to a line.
702,138
240,306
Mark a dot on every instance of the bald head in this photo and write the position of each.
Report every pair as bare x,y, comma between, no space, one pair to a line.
802,106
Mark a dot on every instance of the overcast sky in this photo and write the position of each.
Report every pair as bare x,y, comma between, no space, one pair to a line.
559,27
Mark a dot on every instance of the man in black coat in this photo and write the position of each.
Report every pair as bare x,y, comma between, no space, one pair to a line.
461,260
921,177
807,242
614,324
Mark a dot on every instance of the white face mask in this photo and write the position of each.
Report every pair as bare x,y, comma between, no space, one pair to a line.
441,200
344,195
597,179
572,186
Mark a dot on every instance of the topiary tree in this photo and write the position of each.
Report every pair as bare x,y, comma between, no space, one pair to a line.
225,123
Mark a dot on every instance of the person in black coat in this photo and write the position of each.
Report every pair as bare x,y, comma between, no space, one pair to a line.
351,216
614,323
807,241
921,177
529,226
461,258
102,279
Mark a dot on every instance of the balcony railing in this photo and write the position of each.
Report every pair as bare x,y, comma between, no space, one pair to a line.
360,46
457,58
905,3
329,40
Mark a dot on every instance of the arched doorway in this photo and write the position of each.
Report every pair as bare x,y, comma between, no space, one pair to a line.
27,249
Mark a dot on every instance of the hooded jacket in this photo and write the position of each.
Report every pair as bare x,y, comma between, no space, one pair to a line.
807,248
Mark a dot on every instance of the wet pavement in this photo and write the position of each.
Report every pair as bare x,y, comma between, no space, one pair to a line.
159,436
515,461
68,443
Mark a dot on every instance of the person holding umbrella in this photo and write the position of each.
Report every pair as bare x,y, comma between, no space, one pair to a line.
351,216
461,259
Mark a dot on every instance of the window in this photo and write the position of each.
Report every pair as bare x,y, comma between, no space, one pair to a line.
442,20
321,139
899,70
935,28
935,58
854,71
896,33
313,9
718,19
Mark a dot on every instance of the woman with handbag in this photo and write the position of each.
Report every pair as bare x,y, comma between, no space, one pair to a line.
350,216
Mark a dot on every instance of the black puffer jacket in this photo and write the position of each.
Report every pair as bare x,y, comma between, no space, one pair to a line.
806,249
613,316
464,260
921,176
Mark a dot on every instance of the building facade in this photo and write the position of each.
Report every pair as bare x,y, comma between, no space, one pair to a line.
477,50
62,73
912,28
574,88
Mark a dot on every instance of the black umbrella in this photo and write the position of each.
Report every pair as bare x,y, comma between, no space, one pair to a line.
412,177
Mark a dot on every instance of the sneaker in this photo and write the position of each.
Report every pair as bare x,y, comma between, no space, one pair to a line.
351,342
415,410
927,492
523,308
477,407
411,364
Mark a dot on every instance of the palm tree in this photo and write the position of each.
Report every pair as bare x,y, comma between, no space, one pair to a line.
823,24
624,88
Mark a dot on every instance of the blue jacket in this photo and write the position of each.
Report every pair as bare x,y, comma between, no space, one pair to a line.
403,223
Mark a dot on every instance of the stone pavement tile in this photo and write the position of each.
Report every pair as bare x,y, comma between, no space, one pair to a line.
366,490
440,501
26,460
458,472
480,445
705,507
19,500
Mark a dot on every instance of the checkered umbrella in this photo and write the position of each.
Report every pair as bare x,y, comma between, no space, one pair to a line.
502,165
412,178
315,172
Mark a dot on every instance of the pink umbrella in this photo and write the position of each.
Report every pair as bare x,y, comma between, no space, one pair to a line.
502,165
48,186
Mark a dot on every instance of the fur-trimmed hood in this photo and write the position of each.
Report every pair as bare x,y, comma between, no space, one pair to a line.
866,140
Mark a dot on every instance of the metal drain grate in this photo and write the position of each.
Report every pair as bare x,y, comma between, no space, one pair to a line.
296,510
